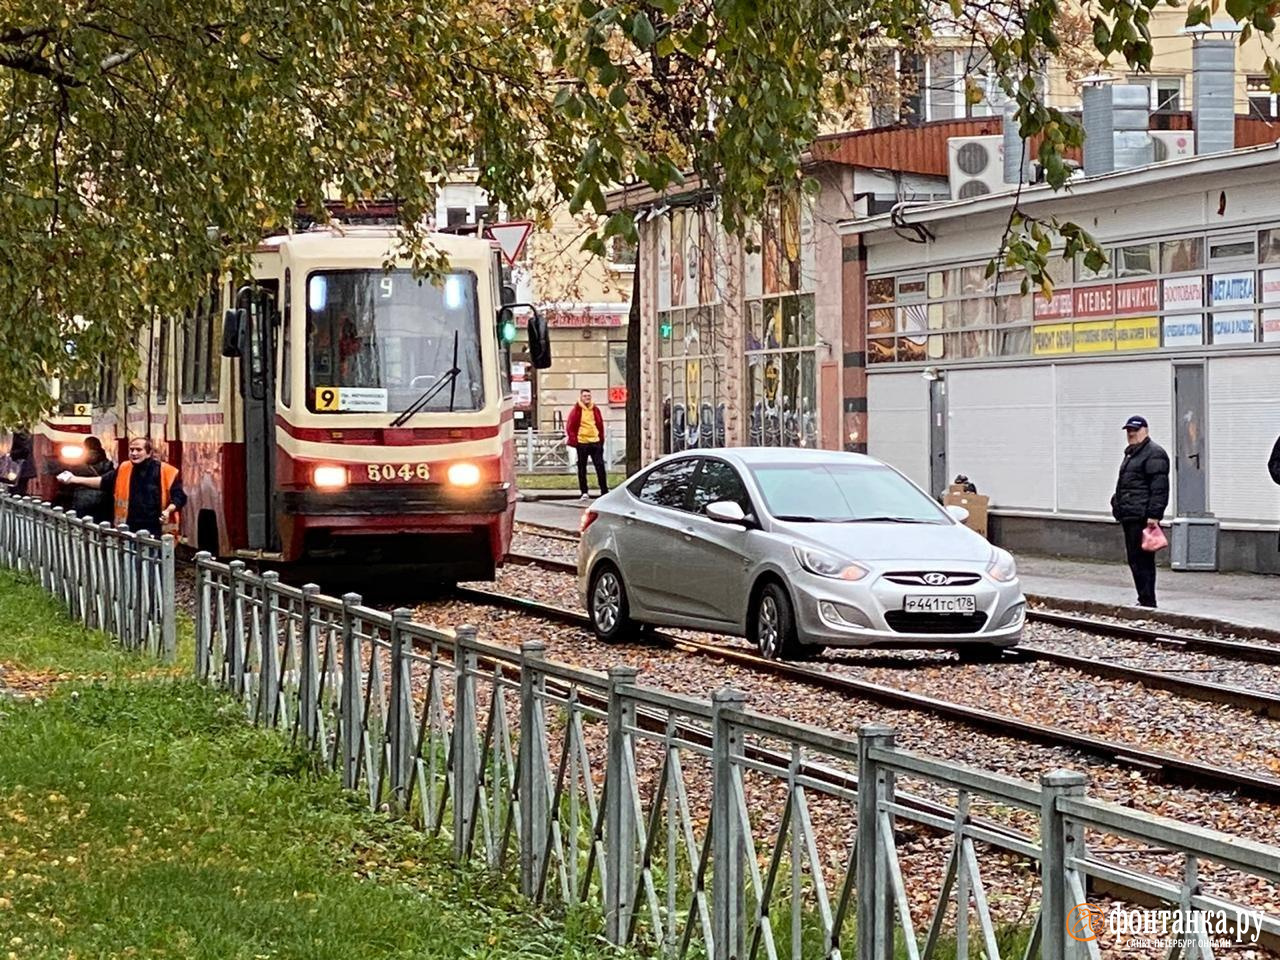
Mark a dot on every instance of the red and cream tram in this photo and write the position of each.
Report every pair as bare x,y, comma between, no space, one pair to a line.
330,409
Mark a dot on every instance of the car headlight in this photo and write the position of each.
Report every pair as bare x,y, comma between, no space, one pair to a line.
464,474
330,478
1002,568
826,565
71,452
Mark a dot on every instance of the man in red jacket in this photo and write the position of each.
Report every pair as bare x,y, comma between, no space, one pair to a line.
585,429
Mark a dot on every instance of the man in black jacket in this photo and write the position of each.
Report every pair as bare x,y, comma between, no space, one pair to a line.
1142,494
1273,465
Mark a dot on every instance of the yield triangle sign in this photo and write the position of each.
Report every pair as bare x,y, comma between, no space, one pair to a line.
510,237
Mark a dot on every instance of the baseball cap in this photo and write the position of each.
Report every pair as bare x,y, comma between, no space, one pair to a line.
1135,423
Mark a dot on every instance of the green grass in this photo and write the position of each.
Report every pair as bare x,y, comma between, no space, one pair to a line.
563,481
141,817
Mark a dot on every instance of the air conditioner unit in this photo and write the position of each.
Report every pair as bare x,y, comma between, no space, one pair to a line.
976,166
1172,144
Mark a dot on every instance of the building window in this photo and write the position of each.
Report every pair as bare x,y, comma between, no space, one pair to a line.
618,372
1262,102
622,254
780,332
1164,94
691,336
455,216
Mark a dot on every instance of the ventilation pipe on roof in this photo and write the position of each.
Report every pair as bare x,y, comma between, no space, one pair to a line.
1131,119
1017,157
1099,127
1213,74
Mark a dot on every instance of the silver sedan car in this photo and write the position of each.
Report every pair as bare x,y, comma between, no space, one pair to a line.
797,550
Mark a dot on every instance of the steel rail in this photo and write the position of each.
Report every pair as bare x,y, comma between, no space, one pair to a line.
1256,701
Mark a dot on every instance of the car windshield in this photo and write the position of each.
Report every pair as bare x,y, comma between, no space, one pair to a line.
843,493
377,341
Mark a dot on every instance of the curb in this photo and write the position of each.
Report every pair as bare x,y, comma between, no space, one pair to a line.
1183,621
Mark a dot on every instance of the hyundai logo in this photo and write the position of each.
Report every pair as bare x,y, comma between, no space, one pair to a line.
936,579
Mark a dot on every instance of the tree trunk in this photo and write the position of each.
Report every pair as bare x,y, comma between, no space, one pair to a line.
633,374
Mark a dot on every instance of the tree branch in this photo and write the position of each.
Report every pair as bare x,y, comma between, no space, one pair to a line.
25,62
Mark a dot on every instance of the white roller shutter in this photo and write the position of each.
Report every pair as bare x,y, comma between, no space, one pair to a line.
999,434
1244,421
1093,402
898,423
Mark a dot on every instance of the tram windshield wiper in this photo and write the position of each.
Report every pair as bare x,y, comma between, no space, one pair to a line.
450,378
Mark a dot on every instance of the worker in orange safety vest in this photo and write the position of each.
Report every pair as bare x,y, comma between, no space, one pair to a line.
147,493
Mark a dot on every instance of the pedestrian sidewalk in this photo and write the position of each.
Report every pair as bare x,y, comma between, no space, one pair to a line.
1249,602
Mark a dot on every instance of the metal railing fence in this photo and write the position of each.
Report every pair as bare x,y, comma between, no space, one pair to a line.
696,826
548,451
107,577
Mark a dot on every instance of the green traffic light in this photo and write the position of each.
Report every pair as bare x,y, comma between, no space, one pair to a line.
508,331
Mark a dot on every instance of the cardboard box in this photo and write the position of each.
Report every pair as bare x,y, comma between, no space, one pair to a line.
975,503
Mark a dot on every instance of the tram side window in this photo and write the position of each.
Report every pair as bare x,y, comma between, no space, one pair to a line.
199,359
161,363
286,345
504,347
106,382
190,352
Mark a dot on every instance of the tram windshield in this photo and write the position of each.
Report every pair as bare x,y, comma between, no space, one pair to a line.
376,341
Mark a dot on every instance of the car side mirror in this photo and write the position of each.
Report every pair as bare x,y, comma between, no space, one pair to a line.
235,323
958,513
726,511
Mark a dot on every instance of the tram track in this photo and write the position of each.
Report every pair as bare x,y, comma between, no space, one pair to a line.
1257,701
1158,763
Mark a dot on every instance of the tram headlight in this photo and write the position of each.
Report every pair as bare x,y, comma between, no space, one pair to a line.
464,474
71,452
330,478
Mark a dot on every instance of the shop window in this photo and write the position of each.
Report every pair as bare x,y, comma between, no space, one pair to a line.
1269,246
911,288
1232,248
880,290
1137,260
1084,273
1182,256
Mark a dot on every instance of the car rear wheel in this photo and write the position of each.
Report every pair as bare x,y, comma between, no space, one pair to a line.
607,606
774,625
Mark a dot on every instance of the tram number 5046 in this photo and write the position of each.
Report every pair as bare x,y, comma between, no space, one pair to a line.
397,473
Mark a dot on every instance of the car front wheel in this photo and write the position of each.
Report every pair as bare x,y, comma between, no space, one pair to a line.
774,625
607,606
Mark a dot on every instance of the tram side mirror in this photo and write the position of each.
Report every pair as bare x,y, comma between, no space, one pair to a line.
235,324
539,341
